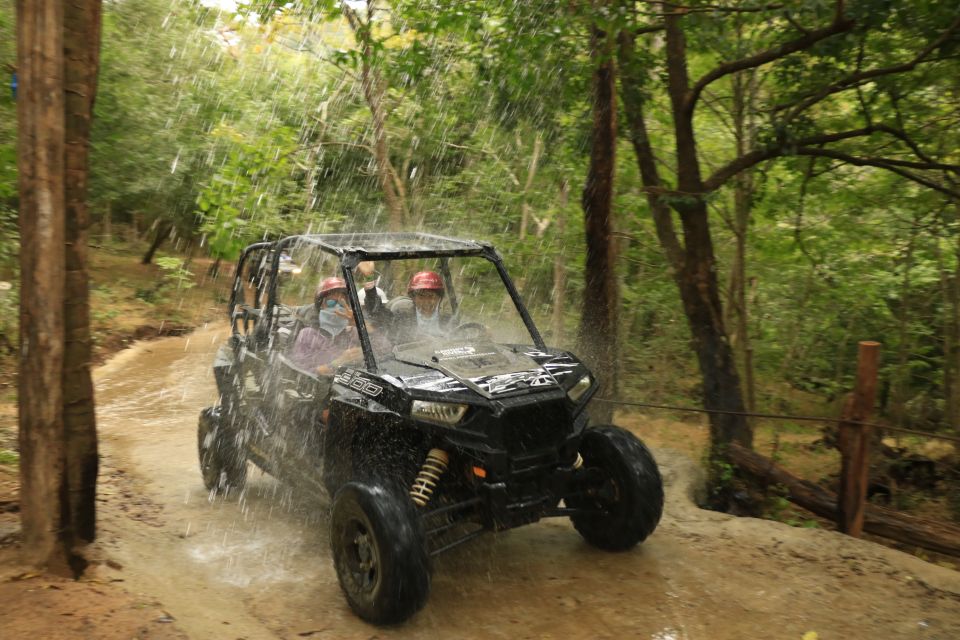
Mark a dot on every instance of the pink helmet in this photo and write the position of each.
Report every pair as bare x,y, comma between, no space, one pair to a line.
329,285
425,281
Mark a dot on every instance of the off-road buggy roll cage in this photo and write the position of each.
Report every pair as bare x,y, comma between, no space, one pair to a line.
355,248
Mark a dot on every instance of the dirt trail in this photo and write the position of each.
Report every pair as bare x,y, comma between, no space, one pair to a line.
260,568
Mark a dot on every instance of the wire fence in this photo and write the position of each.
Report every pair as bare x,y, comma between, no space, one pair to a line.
774,416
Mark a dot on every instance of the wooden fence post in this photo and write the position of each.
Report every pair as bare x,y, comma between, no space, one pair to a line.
854,441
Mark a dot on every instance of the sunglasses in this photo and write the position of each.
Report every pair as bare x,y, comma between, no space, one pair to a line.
332,303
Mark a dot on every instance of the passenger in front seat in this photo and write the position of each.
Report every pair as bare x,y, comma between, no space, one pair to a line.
334,341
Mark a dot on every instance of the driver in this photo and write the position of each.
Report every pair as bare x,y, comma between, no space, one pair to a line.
426,291
334,341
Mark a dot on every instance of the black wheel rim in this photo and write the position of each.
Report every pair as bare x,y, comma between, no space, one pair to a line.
604,496
208,468
361,556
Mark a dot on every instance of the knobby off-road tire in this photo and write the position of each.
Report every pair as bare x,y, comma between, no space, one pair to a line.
379,551
223,464
630,497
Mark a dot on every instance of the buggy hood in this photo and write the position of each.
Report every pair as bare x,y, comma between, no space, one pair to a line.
483,367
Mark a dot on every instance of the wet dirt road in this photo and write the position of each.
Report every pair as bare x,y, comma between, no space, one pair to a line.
260,567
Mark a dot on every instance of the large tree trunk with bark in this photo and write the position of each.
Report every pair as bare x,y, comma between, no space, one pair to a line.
693,262
597,338
697,279
82,53
700,294
58,49
40,148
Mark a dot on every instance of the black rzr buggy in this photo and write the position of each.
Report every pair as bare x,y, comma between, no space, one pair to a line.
421,445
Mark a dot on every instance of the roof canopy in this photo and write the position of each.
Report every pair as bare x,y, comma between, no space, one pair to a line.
390,245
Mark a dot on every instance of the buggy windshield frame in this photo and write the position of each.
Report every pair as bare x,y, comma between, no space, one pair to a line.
354,248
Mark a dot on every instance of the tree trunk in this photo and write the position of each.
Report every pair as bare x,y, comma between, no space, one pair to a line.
107,221
82,58
952,352
59,48
743,187
794,348
163,230
560,267
901,375
699,292
597,338
950,332
693,262
374,91
699,288
528,184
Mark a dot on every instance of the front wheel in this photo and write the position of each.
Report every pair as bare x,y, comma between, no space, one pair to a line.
223,464
622,499
379,551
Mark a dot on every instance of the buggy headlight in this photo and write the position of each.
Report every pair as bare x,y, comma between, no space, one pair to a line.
576,391
444,413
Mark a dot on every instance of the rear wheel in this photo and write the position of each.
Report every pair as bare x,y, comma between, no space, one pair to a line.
623,500
223,463
379,551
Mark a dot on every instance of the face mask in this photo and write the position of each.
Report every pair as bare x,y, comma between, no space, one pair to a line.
429,324
331,322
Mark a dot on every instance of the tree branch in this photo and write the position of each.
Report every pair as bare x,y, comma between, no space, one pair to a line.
747,160
654,28
717,8
633,102
856,79
810,38
881,163
329,143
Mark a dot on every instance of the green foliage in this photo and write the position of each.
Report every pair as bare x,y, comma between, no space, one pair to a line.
175,274
9,458
253,195
237,132
953,496
9,240
152,102
175,277
779,508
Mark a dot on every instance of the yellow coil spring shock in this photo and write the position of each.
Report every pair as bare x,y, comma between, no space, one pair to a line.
433,467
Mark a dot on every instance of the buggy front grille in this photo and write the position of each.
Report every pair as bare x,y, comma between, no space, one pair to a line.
536,427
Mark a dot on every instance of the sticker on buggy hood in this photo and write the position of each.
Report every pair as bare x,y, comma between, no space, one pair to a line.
484,367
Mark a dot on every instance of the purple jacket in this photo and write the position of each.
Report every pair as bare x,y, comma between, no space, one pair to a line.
315,347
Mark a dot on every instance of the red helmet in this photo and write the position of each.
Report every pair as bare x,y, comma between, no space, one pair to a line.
329,285
425,281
